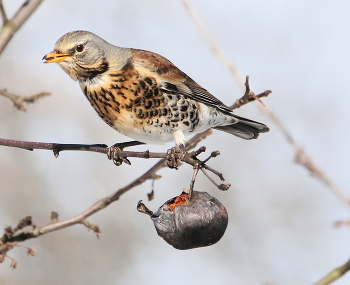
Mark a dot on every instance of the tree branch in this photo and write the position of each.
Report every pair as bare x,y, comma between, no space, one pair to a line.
334,274
119,155
12,25
302,157
15,235
249,96
3,14
189,158
19,100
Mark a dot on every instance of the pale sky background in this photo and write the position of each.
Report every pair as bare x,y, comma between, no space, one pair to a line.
281,219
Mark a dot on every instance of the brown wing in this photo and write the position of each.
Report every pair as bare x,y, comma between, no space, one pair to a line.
173,79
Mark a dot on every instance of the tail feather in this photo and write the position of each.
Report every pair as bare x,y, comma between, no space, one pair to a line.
244,128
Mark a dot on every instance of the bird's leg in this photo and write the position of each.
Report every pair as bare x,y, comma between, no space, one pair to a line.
114,150
177,153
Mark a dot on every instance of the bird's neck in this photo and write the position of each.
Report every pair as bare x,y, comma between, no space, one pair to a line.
118,57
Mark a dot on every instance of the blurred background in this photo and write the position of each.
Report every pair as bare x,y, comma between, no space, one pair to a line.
280,218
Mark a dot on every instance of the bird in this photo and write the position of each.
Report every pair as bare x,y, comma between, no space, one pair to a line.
143,95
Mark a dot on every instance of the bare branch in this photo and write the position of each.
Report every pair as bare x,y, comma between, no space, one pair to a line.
338,224
94,228
14,263
7,241
334,274
303,158
12,25
3,14
19,100
56,148
215,48
193,180
190,144
7,31
249,96
223,187
119,155
54,217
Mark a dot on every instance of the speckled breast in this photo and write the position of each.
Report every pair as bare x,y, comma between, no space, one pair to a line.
141,109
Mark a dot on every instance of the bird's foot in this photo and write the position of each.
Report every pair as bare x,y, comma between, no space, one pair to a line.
114,152
114,155
174,156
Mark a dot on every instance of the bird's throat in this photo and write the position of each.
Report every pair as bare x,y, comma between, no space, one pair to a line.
80,72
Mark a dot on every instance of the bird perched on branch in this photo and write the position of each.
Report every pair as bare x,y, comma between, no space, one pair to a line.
143,95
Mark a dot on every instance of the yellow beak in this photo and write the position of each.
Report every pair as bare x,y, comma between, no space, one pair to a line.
55,57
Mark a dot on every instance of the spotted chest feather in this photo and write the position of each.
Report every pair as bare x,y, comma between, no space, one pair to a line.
134,104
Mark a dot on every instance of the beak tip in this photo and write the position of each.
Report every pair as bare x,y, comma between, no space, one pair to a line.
55,56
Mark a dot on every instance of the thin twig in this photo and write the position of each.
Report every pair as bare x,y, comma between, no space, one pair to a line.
193,180
12,25
223,187
211,42
190,144
334,274
19,100
339,223
14,263
121,155
3,14
9,237
249,96
302,156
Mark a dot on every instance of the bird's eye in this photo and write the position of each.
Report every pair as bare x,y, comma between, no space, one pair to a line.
79,48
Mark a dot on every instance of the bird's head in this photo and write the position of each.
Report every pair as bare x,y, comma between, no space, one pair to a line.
81,54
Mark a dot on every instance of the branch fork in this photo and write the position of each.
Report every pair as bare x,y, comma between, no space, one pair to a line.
249,96
116,153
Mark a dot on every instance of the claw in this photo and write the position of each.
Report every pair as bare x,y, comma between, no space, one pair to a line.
113,154
174,156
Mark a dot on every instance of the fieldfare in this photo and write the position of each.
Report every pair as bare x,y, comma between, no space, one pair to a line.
143,95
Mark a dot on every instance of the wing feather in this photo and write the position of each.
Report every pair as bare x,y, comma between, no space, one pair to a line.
173,79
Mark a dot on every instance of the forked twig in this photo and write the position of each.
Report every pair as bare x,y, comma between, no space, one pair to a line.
223,187
120,156
249,96
305,160
12,25
10,236
3,14
19,100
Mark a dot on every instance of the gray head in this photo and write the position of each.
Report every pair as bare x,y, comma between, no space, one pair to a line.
82,55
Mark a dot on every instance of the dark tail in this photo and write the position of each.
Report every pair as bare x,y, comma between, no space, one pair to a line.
245,129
